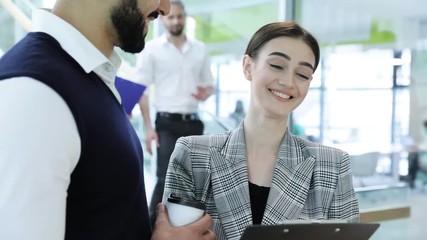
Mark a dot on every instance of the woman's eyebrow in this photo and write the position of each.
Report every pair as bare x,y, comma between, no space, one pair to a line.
280,54
307,65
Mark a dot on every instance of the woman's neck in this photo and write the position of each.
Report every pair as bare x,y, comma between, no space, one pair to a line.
263,138
265,133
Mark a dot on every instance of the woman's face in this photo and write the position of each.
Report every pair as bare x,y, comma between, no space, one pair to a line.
280,76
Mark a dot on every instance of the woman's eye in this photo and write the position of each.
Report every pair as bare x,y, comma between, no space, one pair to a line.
303,76
276,66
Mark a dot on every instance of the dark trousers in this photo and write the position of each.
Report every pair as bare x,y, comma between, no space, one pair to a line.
169,130
413,167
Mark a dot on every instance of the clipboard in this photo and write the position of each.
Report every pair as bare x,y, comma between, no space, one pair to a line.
130,93
311,231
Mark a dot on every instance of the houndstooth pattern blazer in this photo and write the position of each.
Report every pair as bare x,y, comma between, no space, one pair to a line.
310,181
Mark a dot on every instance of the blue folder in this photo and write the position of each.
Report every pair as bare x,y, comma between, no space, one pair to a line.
130,93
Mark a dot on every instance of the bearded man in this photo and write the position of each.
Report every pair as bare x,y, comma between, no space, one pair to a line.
71,164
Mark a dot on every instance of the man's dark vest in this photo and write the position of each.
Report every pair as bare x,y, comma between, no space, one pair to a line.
106,196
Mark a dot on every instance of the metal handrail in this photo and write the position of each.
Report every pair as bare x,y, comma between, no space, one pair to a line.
218,121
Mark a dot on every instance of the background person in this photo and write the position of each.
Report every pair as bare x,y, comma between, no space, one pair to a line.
179,67
71,164
239,113
260,173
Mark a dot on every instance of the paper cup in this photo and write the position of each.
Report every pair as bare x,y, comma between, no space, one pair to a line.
184,211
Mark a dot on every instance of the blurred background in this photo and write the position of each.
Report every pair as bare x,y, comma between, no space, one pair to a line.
368,96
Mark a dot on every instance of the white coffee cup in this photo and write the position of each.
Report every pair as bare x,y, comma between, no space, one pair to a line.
183,211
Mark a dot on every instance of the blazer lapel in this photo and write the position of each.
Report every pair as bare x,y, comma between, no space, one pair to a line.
291,182
230,188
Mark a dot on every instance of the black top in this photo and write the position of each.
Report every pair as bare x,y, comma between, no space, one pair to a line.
259,196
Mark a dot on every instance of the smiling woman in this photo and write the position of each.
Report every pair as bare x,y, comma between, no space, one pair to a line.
260,173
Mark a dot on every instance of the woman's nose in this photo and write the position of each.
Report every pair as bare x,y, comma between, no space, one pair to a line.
286,79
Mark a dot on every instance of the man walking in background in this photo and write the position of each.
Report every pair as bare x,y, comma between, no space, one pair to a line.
179,67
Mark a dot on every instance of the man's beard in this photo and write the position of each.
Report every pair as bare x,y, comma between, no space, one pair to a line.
176,31
129,24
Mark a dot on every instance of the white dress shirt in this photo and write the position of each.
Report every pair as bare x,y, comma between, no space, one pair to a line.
175,74
39,140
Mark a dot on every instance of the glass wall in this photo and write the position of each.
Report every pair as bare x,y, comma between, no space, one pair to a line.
363,100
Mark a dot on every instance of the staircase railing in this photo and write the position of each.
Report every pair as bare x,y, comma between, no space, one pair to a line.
217,125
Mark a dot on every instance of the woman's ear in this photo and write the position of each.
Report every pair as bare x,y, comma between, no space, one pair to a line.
247,67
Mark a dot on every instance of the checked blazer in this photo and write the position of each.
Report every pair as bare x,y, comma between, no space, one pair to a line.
310,181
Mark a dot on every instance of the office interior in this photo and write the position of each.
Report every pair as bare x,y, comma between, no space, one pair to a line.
368,96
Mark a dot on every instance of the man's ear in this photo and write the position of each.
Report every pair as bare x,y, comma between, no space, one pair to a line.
247,67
